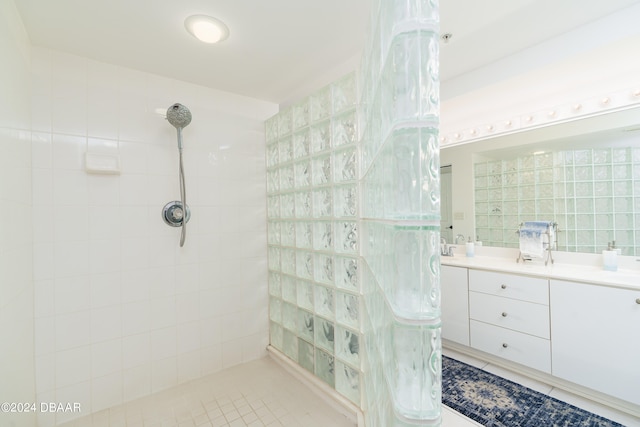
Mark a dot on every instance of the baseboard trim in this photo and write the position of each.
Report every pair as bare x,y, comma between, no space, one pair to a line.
322,390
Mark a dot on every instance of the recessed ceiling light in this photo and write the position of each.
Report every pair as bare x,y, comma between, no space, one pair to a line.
206,28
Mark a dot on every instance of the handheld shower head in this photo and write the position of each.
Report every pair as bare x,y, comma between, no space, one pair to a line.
179,116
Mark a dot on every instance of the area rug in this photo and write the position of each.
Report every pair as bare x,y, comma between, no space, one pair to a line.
496,402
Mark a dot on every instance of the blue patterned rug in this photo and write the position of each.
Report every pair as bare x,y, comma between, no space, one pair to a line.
496,402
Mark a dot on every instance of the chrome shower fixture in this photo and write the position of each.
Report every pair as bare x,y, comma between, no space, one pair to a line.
174,212
179,116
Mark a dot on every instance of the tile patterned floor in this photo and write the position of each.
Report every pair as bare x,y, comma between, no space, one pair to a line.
258,393
261,393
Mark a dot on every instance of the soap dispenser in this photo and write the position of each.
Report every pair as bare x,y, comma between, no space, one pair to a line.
470,247
610,258
615,248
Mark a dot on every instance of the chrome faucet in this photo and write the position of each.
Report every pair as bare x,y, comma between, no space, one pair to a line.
446,249
459,236
443,246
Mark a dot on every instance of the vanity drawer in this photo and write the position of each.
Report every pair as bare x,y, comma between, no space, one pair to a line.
525,288
521,348
521,316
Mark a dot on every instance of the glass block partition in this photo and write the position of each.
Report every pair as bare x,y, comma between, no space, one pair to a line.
353,224
401,216
593,195
314,236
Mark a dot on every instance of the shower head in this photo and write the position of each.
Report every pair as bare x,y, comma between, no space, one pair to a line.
179,116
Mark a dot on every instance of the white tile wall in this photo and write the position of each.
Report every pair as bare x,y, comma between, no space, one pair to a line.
121,310
16,279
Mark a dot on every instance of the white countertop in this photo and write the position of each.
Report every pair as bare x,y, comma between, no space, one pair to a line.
585,268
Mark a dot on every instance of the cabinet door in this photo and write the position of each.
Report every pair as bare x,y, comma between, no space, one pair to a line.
595,335
454,291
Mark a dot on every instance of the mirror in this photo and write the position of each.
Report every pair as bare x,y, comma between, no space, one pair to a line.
584,175
446,214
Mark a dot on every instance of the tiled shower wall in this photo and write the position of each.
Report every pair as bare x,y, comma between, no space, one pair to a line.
313,235
121,310
593,195
16,238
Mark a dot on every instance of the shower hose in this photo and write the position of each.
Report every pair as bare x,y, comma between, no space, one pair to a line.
183,194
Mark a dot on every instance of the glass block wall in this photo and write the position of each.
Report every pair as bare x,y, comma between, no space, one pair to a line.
593,195
353,224
313,235
401,216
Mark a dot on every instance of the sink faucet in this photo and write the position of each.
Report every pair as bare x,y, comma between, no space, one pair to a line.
446,249
443,247
459,236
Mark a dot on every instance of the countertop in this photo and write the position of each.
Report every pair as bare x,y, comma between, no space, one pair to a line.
585,268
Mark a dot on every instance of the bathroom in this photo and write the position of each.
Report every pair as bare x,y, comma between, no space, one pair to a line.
181,313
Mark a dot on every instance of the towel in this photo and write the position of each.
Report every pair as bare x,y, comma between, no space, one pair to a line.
531,243
543,226
534,235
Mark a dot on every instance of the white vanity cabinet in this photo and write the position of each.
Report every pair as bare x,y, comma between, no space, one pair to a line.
509,317
454,291
596,337
583,336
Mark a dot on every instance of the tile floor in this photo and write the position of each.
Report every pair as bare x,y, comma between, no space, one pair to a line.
244,396
240,396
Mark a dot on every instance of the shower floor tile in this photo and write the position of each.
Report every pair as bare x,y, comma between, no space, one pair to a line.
258,393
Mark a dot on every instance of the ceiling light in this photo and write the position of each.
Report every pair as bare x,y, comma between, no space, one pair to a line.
206,28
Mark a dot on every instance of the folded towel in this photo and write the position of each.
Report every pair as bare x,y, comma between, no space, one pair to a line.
532,242
538,225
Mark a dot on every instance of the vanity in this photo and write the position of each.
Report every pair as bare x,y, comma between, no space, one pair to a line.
569,324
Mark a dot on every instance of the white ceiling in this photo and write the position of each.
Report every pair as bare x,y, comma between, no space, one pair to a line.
281,50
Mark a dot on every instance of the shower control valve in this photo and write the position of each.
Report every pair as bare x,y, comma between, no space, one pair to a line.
173,214
177,214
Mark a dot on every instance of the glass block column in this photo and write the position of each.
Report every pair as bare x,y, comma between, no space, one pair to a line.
353,224
400,221
314,235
